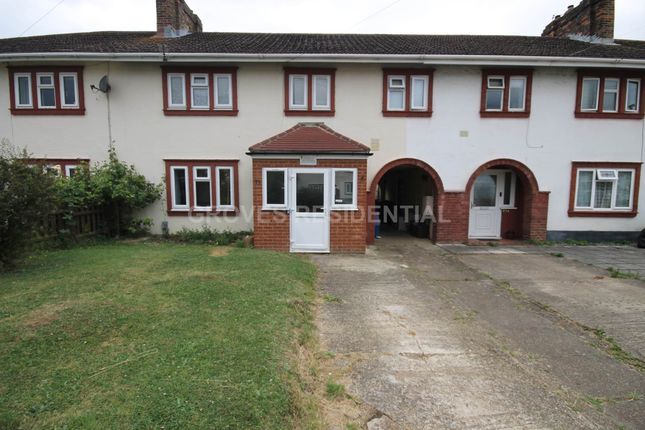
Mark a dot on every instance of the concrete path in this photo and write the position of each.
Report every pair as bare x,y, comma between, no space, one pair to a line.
436,340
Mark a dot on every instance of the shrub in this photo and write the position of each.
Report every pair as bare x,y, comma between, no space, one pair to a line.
208,235
26,197
139,227
121,190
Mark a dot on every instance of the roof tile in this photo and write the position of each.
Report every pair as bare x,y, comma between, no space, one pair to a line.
309,138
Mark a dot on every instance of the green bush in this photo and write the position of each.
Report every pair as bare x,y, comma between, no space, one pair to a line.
26,197
208,235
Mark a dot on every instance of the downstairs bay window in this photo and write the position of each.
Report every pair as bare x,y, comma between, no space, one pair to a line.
201,186
604,189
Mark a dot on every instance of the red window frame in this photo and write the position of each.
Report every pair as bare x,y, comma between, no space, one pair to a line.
407,73
210,71
606,165
310,72
56,71
506,74
623,76
62,162
212,164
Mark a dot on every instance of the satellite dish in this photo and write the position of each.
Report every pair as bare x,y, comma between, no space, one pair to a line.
104,85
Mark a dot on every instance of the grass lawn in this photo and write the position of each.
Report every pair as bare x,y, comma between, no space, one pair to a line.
153,335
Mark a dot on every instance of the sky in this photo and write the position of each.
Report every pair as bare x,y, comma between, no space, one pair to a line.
509,17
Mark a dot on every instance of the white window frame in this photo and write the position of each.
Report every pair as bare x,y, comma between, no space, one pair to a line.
314,101
303,106
223,106
638,95
210,187
183,90
173,205
616,91
339,206
61,80
426,83
266,205
510,87
489,87
218,206
614,191
192,91
69,168
582,92
51,86
397,88
16,87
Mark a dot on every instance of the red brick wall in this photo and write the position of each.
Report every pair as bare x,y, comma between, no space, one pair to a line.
176,14
588,18
347,228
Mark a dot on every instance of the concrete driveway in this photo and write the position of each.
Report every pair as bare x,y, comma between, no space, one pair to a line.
430,339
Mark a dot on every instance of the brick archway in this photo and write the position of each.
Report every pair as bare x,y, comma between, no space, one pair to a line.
535,203
401,162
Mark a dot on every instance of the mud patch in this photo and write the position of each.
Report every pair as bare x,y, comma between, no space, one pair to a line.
220,251
45,314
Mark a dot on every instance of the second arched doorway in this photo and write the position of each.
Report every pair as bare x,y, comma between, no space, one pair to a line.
405,194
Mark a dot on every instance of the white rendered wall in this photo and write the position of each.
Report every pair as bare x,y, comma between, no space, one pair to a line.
546,142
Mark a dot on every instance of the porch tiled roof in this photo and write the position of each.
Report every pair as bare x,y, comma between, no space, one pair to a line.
309,138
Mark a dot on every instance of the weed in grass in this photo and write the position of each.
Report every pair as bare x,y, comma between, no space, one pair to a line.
619,274
329,298
596,402
334,391
612,347
557,254
352,426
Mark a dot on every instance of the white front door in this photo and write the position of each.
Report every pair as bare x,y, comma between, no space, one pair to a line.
309,210
485,212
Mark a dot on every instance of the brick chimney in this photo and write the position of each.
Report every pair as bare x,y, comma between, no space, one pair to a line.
175,18
591,20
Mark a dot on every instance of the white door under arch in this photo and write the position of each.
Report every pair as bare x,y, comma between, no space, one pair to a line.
485,219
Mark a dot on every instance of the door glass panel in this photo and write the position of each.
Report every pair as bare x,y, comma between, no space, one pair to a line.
485,191
508,178
310,192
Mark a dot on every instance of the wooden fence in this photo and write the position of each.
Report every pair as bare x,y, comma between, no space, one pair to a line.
86,222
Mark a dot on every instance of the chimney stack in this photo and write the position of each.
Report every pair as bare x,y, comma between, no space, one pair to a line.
175,19
591,20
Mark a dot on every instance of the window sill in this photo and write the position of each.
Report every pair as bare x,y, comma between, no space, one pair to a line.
407,113
58,111
609,115
309,113
603,214
487,114
196,112
175,212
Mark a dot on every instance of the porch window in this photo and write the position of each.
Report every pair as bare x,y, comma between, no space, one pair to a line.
309,92
609,189
225,189
274,189
344,188
407,92
201,186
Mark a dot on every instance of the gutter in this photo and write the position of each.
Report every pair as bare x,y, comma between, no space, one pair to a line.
475,60
321,155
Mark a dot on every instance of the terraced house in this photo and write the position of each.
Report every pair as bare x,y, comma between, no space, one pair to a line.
304,137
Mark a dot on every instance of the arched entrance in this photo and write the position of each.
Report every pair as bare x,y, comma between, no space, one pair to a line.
402,192
505,202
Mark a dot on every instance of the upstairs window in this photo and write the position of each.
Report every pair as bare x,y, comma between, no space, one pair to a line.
604,189
506,93
609,94
199,187
407,92
309,92
47,90
199,91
